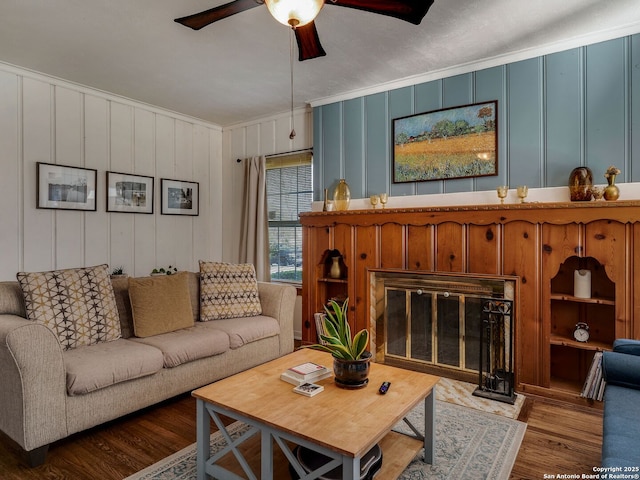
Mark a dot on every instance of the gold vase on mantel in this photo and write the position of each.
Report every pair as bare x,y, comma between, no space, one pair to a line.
342,196
611,191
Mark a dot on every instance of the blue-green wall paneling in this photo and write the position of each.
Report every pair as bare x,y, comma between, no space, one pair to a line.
400,105
377,139
428,97
458,90
555,112
605,107
563,116
634,131
524,90
332,145
353,139
490,85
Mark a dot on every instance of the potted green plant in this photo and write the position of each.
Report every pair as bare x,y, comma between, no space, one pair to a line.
118,272
170,270
350,356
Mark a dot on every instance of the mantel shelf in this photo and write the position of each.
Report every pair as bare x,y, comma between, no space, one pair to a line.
556,213
480,207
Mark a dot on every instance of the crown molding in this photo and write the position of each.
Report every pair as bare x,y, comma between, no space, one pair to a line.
504,59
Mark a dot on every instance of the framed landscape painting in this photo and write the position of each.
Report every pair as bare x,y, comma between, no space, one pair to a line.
179,197
129,193
444,144
65,188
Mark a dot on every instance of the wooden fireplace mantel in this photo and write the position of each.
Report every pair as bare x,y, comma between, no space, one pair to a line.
541,243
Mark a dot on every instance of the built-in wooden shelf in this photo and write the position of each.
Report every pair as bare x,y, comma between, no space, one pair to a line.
570,342
571,298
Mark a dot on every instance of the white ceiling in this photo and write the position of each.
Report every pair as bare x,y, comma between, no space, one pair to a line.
237,69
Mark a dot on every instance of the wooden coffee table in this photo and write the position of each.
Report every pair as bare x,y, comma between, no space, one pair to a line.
338,423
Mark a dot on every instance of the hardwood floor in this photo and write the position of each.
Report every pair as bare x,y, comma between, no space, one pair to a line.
560,439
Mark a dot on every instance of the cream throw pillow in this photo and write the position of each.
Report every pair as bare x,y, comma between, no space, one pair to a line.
160,304
77,304
228,290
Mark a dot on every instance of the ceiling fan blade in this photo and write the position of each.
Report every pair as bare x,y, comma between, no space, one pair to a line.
202,19
412,11
308,42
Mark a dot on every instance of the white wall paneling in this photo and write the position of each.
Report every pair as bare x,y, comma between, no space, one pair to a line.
10,214
264,136
43,119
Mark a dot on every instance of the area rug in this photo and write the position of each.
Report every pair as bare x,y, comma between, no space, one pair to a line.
470,444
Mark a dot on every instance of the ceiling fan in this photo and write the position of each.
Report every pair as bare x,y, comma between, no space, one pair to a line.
412,11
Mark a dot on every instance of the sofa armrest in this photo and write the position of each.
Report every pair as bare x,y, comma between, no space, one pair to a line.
278,301
32,383
621,369
626,345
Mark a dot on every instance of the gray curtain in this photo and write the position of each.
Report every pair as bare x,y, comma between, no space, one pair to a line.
254,235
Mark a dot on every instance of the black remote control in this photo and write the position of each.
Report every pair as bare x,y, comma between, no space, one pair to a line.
384,387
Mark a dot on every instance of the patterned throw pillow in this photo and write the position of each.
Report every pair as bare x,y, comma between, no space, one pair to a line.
228,290
77,304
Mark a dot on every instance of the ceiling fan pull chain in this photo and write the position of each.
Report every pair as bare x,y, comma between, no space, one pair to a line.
293,130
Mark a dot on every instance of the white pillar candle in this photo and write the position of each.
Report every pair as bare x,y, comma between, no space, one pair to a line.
582,283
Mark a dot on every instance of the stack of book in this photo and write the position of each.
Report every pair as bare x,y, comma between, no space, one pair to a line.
305,373
594,384
319,319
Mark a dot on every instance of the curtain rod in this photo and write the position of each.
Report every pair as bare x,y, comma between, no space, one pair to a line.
303,150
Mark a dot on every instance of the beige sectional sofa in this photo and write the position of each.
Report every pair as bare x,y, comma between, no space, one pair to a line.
48,393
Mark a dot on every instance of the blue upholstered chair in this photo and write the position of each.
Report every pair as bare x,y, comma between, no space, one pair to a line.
621,428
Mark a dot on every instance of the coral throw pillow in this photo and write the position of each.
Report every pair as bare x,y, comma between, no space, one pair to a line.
228,290
77,304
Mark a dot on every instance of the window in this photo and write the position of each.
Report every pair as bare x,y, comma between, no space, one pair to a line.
289,192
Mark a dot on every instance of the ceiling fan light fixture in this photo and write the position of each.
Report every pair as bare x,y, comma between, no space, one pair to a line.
294,13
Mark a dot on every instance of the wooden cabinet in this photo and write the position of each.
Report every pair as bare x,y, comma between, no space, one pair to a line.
540,243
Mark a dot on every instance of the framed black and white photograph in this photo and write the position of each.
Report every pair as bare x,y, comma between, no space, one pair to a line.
129,193
179,197
65,188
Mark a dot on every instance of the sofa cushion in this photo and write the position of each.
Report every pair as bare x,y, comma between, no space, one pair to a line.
77,304
245,330
187,345
621,427
228,291
94,367
160,304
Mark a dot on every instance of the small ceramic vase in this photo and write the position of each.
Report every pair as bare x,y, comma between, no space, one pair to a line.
611,191
335,271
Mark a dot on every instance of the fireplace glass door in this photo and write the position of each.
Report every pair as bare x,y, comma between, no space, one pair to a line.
435,327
